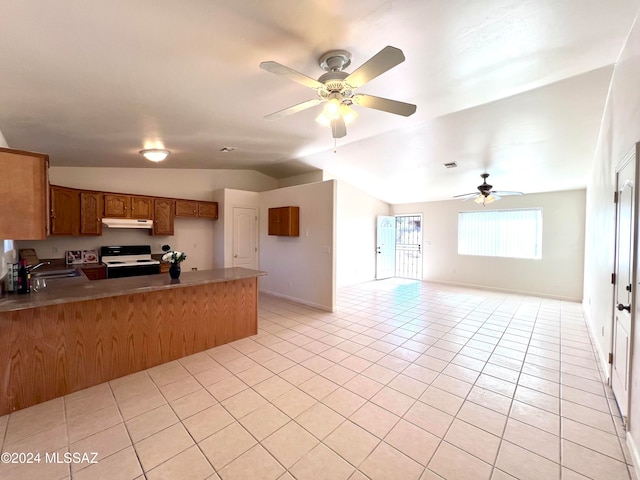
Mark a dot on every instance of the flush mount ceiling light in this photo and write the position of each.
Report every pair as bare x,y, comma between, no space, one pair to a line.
155,154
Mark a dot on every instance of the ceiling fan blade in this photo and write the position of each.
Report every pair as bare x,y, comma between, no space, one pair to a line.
384,104
338,127
278,69
470,195
503,194
295,109
496,196
384,60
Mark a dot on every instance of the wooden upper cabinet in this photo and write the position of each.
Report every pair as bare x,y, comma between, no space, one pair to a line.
116,206
65,211
208,209
164,209
91,213
186,208
25,195
141,207
195,208
127,206
284,221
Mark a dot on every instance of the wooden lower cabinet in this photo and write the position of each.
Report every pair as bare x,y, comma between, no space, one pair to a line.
95,272
54,350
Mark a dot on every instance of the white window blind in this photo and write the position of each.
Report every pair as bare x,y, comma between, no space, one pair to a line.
501,233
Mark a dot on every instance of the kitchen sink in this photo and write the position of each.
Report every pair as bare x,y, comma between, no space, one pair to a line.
63,273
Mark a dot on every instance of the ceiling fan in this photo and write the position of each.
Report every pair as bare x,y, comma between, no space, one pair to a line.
486,195
337,88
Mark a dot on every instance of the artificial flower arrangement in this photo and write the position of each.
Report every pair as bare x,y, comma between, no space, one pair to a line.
173,256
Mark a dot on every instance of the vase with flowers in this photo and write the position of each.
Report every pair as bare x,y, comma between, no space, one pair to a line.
175,258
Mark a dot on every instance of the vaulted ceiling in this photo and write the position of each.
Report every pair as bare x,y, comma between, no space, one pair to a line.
512,87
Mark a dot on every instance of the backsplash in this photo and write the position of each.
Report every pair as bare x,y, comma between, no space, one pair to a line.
192,236
55,247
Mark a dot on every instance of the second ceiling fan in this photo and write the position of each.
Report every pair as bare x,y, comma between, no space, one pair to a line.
485,193
337,88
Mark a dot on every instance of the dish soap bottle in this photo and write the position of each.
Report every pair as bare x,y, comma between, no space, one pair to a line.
24,278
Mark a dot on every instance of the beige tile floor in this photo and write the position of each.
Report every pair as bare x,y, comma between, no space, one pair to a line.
408,380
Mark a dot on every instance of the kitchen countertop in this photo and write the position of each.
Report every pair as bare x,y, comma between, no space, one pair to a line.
77,289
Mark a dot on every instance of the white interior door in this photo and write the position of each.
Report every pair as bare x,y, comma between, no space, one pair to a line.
624,289
386,247
245,237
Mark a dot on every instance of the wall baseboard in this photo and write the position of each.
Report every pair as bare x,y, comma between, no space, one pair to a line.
299,300
633,450
505,290
602,356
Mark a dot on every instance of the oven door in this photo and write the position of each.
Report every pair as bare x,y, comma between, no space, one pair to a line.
132,271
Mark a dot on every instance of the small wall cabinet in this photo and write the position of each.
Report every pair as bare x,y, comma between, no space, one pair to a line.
284,221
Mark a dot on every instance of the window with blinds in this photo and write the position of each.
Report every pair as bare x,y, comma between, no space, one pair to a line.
501,233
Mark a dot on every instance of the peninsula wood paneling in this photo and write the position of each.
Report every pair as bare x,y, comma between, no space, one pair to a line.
51,351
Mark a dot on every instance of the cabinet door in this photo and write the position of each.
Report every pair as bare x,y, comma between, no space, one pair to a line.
116,206
142,207
65,211
290,221
90,213
25,195
284,221
95,272
274,221
163,219
186,208
208,209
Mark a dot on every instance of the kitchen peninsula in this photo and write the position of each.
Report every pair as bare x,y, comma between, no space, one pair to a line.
79,333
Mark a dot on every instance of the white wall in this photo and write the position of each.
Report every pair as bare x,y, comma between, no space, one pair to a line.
301,268
356,234
310,177
619,133
198,238
195,184
559,272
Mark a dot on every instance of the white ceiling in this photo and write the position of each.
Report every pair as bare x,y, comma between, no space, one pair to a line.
513,87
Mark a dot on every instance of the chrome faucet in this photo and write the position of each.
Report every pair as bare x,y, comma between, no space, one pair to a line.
37,265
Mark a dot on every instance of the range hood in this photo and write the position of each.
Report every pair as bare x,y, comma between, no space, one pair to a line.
126,223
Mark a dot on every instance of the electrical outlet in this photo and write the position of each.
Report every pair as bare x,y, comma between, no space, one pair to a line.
54,249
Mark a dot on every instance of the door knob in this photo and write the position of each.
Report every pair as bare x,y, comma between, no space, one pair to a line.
235,256
624,307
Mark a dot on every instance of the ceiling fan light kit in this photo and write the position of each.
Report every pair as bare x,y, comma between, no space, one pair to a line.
485,193
337,88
